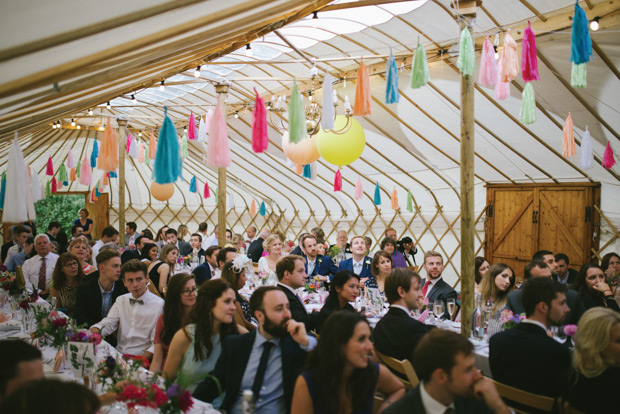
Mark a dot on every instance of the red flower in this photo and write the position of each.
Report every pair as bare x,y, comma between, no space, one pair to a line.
159,397
59,322
185,401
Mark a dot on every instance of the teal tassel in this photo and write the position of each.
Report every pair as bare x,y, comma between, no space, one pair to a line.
97,192
467,56
112,174
581,43
391,85
192,185
184,147
578,76
377,195
528,105
94,155
307,173
409,202
296,116
2,189
419,72
263,209
168,165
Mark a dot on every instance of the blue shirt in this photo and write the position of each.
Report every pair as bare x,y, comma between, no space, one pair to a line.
106,300
17,259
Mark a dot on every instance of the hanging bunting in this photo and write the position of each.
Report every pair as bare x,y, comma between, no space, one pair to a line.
85,173
253,208
260,136
147,160
50,167
420,74
73,174
586,156
97,191
54,185
202,130
208,119
581,43
191,127
133,149
168,164
487,76
62,174
568,140
409,202
299,168
502,89
140,152
359,191
529,55
391,84
206,193
363,97
307,173
218,153
338,181
184,151
263,209
93,196
48,190
231,201
112,174
193,188
106,179
377,199
152,146
608,157
108,153
94,154
2,189
313,168
19,203
329,99
578,76
59,184
510,63
70,162
130,139
467,55
78,168
528,105
296,116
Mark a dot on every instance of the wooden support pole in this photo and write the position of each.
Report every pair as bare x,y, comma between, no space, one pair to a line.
221,90
122,142
467,201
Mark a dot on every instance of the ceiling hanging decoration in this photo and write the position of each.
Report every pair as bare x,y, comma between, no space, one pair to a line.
191,127
19,205
581,47
510,63
260,135
420,74
586,157
487,75
49,170
608,157
409,202
363,97
263,209
467,55
502,89
168,167
338,180
341,149
377,198
218,153
192,185
527,113
568,139
85,172
359,191
391,85
94,154
394,199
253,208
108,153
296,120
304,152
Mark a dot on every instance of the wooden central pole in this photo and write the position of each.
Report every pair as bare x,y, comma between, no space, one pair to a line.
122,149
221,90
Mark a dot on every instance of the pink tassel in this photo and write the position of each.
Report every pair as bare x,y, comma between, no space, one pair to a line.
208,118
338,181
54,185
510,67
70,162
140,152
85,172
50,167
58,184
206,192
529,57
502,89
129,139
568,140
359,191
608,157
218,153
260,137
488,66
191,128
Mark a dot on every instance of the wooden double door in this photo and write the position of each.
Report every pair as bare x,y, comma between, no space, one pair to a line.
522,219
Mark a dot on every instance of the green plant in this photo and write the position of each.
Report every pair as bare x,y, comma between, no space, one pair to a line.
61,208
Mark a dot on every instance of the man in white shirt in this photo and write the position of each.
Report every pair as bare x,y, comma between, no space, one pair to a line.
211,240
20,234
134,314
202,230
38,269
108,235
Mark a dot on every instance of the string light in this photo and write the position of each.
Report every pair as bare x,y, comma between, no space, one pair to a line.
79,127
197,72
237,114
162,87
133,99
310,97
90,112
72,122
140,133
248,51
594,25
54,125
108,105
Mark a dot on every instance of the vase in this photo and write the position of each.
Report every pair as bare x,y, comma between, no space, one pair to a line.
81,357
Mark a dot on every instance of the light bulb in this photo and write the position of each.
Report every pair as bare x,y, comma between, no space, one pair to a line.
72,122
237,114
197,72
162,87
108,105
79,127
90,112
496,53
310,97
140,133
594,25
248,51
133,99
54,125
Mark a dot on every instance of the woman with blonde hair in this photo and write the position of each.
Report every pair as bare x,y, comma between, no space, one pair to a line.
80,248
496,283
596,362
161,269
182,231
273,247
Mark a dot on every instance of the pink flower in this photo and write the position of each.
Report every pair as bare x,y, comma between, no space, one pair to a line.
95,339
570,330
506,316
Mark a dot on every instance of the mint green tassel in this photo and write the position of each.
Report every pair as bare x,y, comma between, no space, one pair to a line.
78,167
147,160
467,56
419,72
62,174
528,105
578,76
296,117
48,190
183,146
409,202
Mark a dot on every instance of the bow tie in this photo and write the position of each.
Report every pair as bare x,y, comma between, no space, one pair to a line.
132,301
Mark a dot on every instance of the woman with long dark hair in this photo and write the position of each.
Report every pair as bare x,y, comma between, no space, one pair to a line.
482,265
610,263
339,375
149,253
161,269
67,276
381,266
344,289
180,300
234,273
195,349
591,286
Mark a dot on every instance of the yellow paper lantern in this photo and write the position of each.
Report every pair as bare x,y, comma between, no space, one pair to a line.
162,192
302,153
341,149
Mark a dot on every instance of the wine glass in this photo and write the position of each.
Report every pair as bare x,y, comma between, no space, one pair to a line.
438,309
451,307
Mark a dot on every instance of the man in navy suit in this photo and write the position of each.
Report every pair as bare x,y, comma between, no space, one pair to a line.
183,246
360,264
434,287
206,270
239,367
317,265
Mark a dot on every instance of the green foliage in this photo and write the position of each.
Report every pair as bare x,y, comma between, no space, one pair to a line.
61,208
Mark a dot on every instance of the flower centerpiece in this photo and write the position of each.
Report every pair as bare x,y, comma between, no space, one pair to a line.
50,327
24,299
509,320
184,260
83,347
109,372
310,286
10,284
172,399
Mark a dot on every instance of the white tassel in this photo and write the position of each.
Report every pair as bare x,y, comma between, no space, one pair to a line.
231,201
133,149
327,114
586,156
202,130
36,186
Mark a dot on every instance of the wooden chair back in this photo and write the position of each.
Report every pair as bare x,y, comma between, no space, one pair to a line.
19,276
565,408
151,287
403,367
524,398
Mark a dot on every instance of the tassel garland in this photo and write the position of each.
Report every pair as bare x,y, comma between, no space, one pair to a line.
129,141
502,89
363,98
62,174
528,105
581,43
94,155
327,112
296,116
394,199
467,55
140,152
50,167
108,153
73,174
206,192
608,157
184,151
359,191
202,130
307,173
78,168
529,56
218,153
192,185
260,136
409,202
586,158
391,84
377,199
85,173
510,64
263,209
568,140
253,208
152,146
488,66
419,72
48,190
133,149
299,169
338,181
2,189
191,127
54,185
168,166
70,162
578,76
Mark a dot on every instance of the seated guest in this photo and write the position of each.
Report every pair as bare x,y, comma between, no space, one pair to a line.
450,382
160,240
398,333
67,277
21,362
339,375
19,258
321,248
39,268
183,246
408,249
108,235
206,270
196,348
610,263
224,256
195,241
496,284
234,273
481,267
596,362
381,266
80,248
180,299
592,289
317,266
149,253
525,357
267,264
435,288
292,275
343,290
51,396
341,246
134,315
139,243
266,361
368,244
389,245
255,249
359,263
537,268
131,234
160,270
565,274
96,296
299,249
20,234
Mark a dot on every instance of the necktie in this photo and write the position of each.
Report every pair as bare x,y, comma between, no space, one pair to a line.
42,271
357,268
260,372
132,301
425,288
310,268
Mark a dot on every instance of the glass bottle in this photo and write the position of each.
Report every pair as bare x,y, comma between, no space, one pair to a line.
477,318
247,403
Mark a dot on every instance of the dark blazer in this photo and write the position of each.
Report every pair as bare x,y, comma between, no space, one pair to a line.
329,308
231,365
412,403
5,249
441,290
572,274
525,357
255,250
397,334
202,273
88,306
297,250
130,254
572,300
298,310
366,268
594,395
591,300
184,248
327,267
